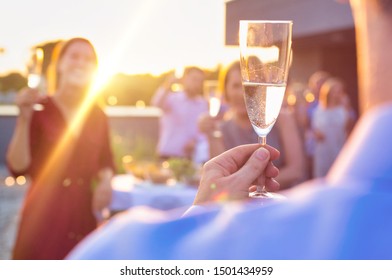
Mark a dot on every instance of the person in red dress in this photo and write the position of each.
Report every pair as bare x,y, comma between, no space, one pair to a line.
65,149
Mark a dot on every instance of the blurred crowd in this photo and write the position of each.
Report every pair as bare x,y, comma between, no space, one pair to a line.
314,123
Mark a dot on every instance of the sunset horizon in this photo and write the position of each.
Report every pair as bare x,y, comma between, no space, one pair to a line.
130,37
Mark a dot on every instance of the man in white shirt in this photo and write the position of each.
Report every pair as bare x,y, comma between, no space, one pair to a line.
344,216
179,134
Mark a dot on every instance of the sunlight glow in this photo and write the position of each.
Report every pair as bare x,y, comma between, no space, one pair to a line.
176,87
105,71
111,62
266,55
179,71
155,36
140,104
274,99
112,100
309,97
9,181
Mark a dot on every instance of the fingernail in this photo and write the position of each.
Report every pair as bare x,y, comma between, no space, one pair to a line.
262,154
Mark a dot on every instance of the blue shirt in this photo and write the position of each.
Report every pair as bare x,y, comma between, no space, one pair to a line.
344,216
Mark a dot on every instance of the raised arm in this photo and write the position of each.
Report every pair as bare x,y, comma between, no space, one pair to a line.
160,96
18,153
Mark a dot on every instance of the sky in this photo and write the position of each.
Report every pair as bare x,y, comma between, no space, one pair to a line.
130,36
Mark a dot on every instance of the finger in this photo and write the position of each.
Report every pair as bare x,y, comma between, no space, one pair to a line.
274,153
271,184
271,171
253,188
235,158
253,168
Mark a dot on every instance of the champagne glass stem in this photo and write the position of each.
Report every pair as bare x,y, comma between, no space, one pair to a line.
262,141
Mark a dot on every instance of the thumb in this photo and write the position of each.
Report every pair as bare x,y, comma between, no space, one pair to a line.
252,169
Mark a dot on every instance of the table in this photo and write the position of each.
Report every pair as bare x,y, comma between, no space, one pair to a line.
129,192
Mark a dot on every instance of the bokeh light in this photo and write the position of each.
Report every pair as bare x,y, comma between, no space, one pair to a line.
21,180
112,100
291,100
140,104
309,97
127,159
9,181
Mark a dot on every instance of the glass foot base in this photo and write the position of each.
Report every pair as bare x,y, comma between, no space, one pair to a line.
266,196
257,194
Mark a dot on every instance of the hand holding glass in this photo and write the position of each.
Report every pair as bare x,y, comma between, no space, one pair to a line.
265,48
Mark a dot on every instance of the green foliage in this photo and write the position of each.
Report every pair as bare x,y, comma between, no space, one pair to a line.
12,82
140,149
183,169
130,88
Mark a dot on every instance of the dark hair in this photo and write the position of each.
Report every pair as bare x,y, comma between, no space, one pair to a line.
327,87
58,53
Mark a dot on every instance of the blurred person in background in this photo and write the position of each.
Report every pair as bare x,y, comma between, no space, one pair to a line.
295,101
179,135
236,129
330,124
353,117
66,153
315,82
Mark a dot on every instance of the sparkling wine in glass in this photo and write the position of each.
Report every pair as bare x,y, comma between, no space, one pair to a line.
265,48
34,68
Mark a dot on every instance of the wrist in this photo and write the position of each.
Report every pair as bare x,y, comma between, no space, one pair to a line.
24,118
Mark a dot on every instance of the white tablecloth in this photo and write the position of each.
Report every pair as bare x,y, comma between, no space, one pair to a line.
128,192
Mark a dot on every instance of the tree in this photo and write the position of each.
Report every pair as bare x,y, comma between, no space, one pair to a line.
13,81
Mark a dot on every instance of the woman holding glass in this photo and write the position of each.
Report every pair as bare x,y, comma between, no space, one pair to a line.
64,148
236,130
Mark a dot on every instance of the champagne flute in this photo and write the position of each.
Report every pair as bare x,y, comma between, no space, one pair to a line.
34,73
178,73
34,68
265,48
214,97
